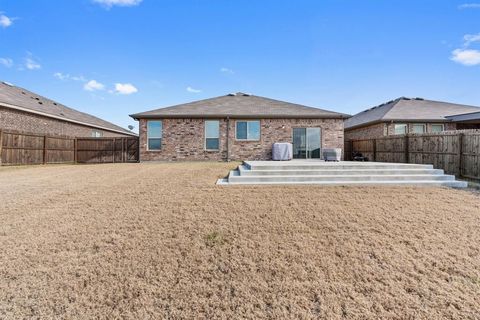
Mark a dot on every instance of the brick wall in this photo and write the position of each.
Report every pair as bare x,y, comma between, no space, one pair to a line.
183,139
384,129
28,122
372,131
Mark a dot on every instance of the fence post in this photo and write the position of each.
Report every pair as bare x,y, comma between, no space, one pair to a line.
44,149
75,147
407,151
113,149
1,145
374,150
460,151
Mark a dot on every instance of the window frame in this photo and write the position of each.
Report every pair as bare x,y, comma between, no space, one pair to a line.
155,137
419,124
96,134
400,124
206,137
437,124
249,121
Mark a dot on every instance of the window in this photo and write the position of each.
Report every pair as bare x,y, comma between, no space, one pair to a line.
400,128
154,135
248,130
212,135
437,127
96,134
418,128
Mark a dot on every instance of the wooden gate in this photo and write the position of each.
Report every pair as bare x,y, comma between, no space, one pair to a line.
106,150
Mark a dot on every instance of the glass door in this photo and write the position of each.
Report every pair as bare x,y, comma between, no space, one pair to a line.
306,143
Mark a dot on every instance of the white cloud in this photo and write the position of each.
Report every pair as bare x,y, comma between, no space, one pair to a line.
5,21
469,6
120,3
93,85
226,70
471,38
467,57
125,88
190,89
6,62
61,76
31,64
64,77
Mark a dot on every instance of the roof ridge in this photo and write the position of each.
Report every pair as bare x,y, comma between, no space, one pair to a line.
241,104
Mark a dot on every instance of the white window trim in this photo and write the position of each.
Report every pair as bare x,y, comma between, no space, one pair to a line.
400,124
419,124
248,121
205,134
438,124
161,136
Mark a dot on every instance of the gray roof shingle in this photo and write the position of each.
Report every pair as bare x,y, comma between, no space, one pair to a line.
239,105
11,95
406,109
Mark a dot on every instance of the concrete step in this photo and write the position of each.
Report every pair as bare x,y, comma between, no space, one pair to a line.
235,177
339,173
451,184
245,171
297,165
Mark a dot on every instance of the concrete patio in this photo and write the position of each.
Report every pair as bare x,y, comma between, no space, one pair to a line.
339,173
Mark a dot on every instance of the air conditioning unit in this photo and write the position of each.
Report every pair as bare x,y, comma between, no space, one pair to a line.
333,154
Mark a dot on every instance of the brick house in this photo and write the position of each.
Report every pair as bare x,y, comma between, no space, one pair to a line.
236,126
405,115
25,111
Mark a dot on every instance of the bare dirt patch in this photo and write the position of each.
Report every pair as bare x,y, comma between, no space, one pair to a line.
162,241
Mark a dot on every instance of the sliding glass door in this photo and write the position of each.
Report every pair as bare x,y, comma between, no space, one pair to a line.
306,143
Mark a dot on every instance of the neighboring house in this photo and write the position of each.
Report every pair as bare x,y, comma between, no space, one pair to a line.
25,111
405,115
237,126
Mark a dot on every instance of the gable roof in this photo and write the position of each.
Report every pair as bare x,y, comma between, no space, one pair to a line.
406,109
21,99
239,105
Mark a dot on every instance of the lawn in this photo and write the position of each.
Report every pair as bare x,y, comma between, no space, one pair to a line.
162,241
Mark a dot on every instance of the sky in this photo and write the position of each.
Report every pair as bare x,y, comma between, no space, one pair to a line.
112,58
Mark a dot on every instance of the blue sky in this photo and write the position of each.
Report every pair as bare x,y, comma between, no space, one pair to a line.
111,58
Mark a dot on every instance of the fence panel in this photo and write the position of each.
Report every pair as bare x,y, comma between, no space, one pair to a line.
391,149
470,167
456,152
107,150
365,147
19,148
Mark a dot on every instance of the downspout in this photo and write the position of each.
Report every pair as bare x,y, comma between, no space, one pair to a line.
228,139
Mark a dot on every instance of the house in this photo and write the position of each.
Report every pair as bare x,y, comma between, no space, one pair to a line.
25,111
405,115
236,126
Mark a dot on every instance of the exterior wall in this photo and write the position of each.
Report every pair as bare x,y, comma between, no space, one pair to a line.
372,131
468,126
388,129
184,139
28,122
448,126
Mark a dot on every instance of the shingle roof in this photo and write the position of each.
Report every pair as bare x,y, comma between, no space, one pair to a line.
406,109
15,97
239,105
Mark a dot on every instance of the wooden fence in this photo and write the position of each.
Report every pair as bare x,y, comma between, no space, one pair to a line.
19,148
456,152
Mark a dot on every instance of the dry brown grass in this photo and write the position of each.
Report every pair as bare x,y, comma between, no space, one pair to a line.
162,241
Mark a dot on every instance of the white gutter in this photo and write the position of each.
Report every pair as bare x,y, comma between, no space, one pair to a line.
11,106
